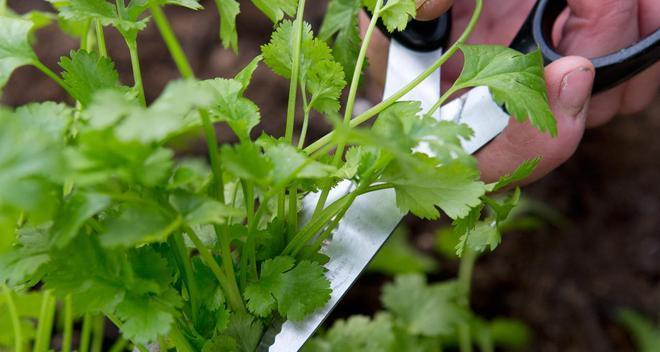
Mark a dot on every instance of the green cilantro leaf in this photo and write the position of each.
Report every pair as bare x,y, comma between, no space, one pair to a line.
424,309
246,331
357,333
421,187
49,117
228,10
395,13
321,76
144,319
240,113
245,76
523,171
259,294
304,289
515,80
86,73
485,234
221,343
191,4
341,22
246,161
288,162
197,210
645,335
166,116
129,23
15,49
276,9
325,82
296,291
138,224
77,209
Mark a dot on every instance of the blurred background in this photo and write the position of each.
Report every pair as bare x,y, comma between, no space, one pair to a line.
586,245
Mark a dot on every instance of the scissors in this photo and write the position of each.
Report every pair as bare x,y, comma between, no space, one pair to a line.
366,227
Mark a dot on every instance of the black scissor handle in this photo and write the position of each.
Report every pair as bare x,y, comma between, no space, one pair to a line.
423,36
611,70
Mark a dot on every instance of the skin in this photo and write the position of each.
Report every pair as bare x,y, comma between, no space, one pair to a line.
589,28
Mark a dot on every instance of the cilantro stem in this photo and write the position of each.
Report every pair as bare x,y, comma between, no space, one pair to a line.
85,333
171,41
98,332
100,39
85,43
378,108
45,327
180,341
137,72
352,94
292,220
248,255
364,184
464,281
231,291
183,257
219,193
68,324
15,319
52,75
3,7
119,345
305,126
295,72
442,100
377,187
214,155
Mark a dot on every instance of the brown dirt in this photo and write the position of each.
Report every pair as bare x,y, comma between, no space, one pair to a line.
566,284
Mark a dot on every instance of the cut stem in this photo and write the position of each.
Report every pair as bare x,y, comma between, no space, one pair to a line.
15,319
171,41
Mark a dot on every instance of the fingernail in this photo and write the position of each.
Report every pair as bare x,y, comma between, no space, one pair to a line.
419,3
576,90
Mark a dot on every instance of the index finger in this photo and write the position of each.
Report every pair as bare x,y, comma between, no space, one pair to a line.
431,9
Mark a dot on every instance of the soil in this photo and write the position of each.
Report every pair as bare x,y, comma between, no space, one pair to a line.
566,284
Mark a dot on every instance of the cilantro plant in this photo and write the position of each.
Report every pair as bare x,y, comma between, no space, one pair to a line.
98,214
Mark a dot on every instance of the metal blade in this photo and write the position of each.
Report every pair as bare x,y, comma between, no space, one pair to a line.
374,216
403,66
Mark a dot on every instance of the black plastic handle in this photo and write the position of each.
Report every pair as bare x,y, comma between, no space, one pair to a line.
423,36
611,70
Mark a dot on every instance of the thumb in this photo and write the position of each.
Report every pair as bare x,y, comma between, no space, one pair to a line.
569,81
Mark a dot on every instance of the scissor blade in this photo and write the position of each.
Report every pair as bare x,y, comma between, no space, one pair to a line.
360,234
403,66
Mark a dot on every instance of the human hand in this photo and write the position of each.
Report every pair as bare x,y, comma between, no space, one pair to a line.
589,29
